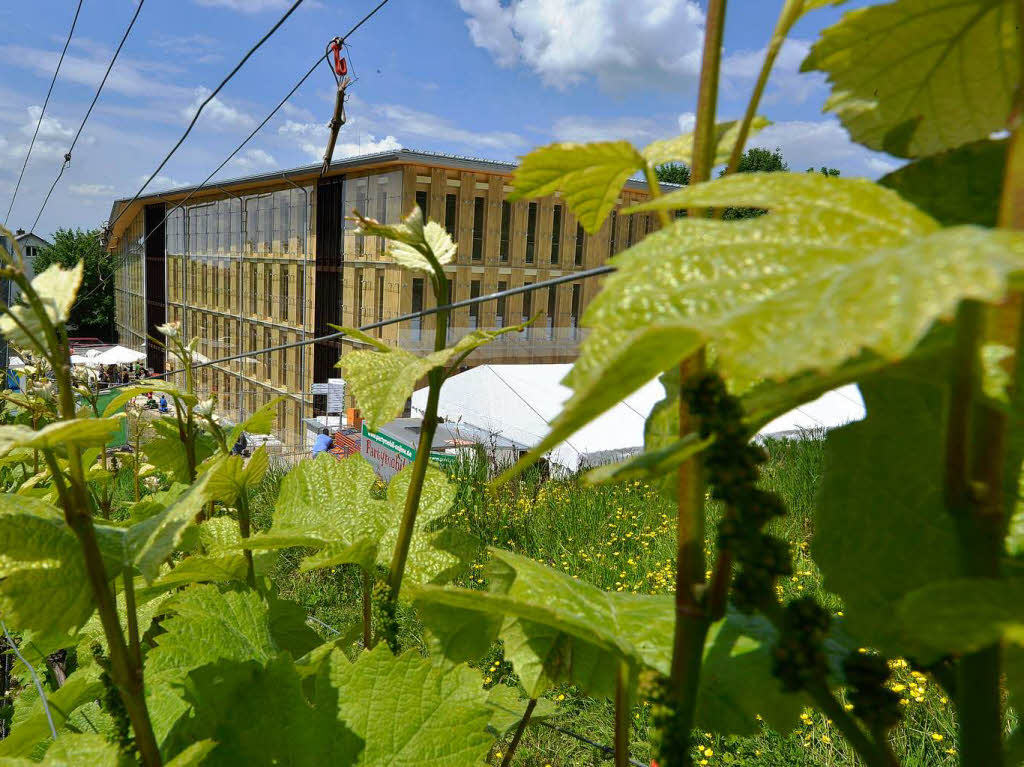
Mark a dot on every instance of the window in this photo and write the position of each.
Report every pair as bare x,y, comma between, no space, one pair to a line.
556,232
252,289
358,318
266,355
552,308
205,283
268,289
578,257
630,230
252,338
451,299
500,309
215,269
531,232
283,304
451,211
474,309
422,201
527,306
574,312
612,221
478,228
227,283
380,302
382,211
416,323
506,224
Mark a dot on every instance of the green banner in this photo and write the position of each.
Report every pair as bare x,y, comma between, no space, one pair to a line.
406,451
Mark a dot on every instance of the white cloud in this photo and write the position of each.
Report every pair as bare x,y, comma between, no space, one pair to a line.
638,130
653,42
91,190
216,112
813,143
50,127
299,113
403,120
198,47
786,85
254,159
687,122
311,139
370,145
162,182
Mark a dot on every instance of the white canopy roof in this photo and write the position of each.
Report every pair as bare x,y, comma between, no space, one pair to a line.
119,355
519,402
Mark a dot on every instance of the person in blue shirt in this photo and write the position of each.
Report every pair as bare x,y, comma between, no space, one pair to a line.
163,404
322,443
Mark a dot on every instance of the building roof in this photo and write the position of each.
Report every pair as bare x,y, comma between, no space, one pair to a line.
310,172
449,435
21,234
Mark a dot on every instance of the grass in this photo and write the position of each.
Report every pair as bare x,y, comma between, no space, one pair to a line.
621,538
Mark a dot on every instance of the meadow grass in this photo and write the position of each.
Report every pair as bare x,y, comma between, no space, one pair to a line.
622,538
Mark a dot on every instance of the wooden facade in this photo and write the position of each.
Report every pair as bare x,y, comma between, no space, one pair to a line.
243,271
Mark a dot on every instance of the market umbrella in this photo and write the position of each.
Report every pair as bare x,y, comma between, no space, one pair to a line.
119,355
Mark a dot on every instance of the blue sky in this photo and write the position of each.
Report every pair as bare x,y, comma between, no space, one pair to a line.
485,78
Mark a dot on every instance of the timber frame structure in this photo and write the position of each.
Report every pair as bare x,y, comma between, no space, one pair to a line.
271,259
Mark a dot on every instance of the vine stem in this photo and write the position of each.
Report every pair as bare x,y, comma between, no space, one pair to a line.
622,685
367,610
429,427
507,759
126,674
655,189
692,623
244,530
133,618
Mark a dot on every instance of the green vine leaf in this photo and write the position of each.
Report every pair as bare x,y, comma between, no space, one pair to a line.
383,380
56,288
194,755
260,422
233,474
881,527
964,615
589,176
412,712
415,245
837,267
126,395
82,432
30,727
230,708
929,76
167,450
74,750
680,148
961,186
329,505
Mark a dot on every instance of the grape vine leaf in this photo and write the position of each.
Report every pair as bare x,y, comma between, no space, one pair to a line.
929,76
412,712
233,474
194,755
260,422
589,176
167,450
82,432
881,527
508,708
56,288
963,615
157,386
557,629
209,623
383,380
229,701
959,186
329,505
30,726
415,245
680,148
837,267
76,749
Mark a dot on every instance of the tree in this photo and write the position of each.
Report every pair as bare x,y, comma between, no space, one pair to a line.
756,160
674,173
94,310
825,171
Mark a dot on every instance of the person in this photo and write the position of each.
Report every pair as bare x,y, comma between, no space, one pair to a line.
240,445
322,443
163,404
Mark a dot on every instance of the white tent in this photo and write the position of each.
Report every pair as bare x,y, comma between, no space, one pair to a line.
15,362
519,402
119,355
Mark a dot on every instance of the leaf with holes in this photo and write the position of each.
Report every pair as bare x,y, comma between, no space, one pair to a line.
589,176
929,76
383,380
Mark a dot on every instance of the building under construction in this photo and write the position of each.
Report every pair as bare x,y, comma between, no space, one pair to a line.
270,259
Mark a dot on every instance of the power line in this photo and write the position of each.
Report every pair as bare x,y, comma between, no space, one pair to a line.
95,98
207,100
39,122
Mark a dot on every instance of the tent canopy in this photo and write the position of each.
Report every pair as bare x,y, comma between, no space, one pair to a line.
119,355
520,401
